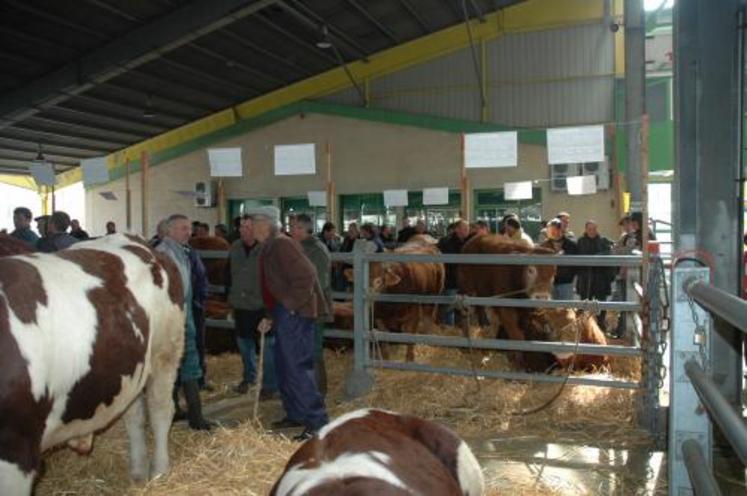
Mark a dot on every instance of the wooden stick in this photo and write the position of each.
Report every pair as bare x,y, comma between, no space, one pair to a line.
331,207
221,201
128,197
144,170
464,186
260,375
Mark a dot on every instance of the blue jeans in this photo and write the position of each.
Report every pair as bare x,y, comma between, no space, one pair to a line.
447,312
248,351
294,360
563,292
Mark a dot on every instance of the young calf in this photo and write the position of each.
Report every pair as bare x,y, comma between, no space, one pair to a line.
374,452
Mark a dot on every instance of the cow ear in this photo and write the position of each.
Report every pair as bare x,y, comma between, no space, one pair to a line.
391,279
377,284
348,274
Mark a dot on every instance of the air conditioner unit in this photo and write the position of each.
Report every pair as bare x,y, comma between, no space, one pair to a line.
602,172
558,174
204,196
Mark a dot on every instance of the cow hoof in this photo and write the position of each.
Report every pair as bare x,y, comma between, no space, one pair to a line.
139,477
158,472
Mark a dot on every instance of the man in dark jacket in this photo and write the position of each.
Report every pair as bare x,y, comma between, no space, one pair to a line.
452,244
560,244
245,297
199,295
594,283
292,294
22,222
58,238
303,232
76,231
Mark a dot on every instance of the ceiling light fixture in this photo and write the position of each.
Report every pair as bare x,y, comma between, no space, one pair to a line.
39,157
148,113
324,43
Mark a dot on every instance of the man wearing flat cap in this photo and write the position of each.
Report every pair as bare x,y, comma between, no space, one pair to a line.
294,298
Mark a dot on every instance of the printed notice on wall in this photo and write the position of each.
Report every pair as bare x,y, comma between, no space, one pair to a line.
317,198
435,196
292,160
225,162
94,171
518,191
484,150
43,174
581,185
395,197
572,145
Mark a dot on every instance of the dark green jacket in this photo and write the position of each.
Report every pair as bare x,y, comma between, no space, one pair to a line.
318,255
242,281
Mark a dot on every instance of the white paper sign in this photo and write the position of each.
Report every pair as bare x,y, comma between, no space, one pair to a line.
518,191
43,174
108,195
581,185
291,160
225,162
94,171
482,150
435,196
395,197
317,198
571,145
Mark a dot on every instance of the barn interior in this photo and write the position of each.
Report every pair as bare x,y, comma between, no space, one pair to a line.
111,110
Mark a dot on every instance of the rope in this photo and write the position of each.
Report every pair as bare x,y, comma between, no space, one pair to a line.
565,379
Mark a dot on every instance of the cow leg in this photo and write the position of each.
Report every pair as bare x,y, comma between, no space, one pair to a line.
134,419
160,413
14,481
383,347
509,318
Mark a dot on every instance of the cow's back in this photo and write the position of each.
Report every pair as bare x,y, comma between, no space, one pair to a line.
491,280
84,327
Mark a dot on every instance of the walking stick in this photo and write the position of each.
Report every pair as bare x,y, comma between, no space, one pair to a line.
260,374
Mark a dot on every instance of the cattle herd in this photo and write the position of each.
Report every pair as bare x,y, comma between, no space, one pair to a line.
96,332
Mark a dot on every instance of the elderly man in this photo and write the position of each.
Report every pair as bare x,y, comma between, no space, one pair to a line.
316,252
558,242
174,244
22,222
512,229
292,294
245,297
57,237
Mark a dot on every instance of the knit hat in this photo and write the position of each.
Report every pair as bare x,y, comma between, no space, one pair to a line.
268,211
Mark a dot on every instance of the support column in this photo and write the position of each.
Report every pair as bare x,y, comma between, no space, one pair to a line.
706,196
144,173
635,95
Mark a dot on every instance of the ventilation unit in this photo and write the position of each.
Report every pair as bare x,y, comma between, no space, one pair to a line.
558,173
204,196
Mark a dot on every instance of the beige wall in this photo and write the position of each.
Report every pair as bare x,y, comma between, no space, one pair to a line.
367,157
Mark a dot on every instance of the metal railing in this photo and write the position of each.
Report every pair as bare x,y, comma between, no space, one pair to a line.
365,336
693,391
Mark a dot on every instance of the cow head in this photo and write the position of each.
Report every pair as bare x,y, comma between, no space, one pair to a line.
384,277
538,279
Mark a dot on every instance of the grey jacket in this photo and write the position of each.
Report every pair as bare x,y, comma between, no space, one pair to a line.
243,283
318,255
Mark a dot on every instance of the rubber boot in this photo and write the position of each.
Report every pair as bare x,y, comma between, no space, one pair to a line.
194,407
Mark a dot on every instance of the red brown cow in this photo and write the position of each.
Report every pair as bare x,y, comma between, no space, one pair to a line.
510,281
215,268
83,332
374,452
564,324
13,246
407,278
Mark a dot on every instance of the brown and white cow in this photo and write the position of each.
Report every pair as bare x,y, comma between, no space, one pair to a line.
13,246
407,278
83,332
374,452
510,281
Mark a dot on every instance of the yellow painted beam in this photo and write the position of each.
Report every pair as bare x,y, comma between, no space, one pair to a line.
26,182
531,15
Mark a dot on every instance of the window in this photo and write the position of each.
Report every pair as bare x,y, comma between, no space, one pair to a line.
491,206
300,205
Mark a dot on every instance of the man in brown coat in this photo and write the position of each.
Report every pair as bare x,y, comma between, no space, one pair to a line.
294,298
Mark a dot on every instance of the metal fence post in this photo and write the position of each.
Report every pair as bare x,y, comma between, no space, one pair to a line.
652,378
360,380
690,341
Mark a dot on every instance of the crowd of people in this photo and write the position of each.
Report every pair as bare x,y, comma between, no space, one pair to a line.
279,284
